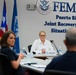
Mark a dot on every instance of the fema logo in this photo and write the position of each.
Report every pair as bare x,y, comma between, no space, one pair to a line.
44,6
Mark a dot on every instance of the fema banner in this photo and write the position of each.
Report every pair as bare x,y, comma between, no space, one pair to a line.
63,14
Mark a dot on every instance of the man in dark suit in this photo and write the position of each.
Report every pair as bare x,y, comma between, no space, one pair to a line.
67,61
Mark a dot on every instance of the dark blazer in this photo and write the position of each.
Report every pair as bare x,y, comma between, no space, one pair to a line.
65,62
12,56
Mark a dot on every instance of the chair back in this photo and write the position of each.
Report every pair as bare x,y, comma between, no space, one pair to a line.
5,65
58,72
29,47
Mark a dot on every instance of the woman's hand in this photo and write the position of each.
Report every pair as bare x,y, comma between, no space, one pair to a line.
21,55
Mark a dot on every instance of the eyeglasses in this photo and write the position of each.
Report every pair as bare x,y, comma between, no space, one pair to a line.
42,35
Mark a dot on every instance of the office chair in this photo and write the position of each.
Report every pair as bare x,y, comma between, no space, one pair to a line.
29,47
5,65
58,72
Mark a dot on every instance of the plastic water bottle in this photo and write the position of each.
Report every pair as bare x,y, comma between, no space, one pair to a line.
23,51
59,50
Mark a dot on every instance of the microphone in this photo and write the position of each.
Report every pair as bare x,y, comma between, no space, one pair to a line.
34,52
52,41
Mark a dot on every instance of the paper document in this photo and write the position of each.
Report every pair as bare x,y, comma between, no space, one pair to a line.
25,63
28,63
39,66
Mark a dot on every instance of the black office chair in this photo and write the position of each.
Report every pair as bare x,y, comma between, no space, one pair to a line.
58,72
5,65
29,47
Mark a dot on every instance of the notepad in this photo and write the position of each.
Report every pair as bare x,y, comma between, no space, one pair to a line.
38,66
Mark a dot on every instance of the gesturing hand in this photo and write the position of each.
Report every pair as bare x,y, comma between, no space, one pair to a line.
21,55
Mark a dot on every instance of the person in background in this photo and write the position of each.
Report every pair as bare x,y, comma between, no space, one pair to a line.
67,61
42,45
7,42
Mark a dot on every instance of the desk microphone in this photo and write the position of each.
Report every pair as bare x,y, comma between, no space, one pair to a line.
52,41
34,52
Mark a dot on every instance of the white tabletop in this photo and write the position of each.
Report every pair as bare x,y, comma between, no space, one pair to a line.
39,67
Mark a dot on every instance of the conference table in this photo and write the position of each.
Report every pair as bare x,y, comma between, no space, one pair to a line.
35,64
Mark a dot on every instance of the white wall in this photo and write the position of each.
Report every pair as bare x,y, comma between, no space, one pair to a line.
31,22
1,7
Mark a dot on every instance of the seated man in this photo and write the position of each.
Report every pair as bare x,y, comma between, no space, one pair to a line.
42,45
67,61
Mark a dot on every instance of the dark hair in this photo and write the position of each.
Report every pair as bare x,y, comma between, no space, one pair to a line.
71,36
4,38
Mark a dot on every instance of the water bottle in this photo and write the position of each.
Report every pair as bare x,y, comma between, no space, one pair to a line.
23,51
59,50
